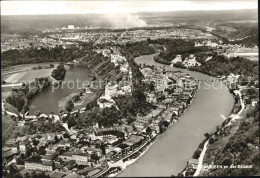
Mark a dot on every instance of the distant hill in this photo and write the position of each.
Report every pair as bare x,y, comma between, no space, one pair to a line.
36,23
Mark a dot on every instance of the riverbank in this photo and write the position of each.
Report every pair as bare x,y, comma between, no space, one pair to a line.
168,117
211,138
170,149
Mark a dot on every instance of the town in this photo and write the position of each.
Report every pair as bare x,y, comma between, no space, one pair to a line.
134,94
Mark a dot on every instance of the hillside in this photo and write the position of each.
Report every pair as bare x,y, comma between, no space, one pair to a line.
241,149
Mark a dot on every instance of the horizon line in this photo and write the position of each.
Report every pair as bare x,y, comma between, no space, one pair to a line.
102,13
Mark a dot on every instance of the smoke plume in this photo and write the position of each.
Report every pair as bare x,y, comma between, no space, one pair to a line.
124,20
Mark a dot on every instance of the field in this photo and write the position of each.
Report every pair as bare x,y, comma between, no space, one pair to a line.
9,36
5,94
22,67
14,77
250,53
28,76
24,73
7,127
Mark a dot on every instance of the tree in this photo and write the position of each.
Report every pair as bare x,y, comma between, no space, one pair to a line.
82,91
23,156
149,40
211,140
38,113
152,86
196,154
28,153
76,97
35,142
94,78
237,99
94,156
20,161
69,106
207,135
59,72
148,130
103,148
41,150
71,122
56,139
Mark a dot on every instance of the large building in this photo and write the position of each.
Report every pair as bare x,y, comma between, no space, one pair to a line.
80,158
70,26
42,166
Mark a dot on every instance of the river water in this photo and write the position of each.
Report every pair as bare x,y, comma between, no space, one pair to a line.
172,149
48,99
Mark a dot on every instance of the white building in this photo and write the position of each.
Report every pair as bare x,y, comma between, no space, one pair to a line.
70,26
190,61
81,159
42,166
176,59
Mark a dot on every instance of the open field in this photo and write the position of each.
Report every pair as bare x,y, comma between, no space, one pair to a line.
5,94
250,53
32,74
7,127
25,73
15,77
86,98
6,36
252,58
23,67
28,76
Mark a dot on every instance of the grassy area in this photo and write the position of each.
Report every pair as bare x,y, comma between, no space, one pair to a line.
86,98
10,108
13,78
63,102
217,146
27,76
32,74
5,94
24,67
7,127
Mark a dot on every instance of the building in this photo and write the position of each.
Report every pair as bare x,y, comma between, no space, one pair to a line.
24,144
191,61
42,166
193,162
12,147
177,59
70,26
80,158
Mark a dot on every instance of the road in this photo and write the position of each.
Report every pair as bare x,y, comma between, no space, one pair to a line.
201,158
12,85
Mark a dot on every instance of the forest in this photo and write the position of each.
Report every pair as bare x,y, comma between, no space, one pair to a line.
59,72
242,148
34,55
240,30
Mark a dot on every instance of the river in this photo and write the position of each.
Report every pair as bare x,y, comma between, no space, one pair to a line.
48,99
172,149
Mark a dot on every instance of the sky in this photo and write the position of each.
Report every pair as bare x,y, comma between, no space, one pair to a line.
128,6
